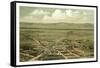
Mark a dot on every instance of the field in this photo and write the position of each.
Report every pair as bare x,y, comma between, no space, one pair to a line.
56,41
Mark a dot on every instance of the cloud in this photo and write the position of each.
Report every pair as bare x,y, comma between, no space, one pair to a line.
67,16
29,19
35,16
56,16
69,12
39,12
46,17
26,19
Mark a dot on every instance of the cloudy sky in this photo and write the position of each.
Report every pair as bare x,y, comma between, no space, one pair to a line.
55,15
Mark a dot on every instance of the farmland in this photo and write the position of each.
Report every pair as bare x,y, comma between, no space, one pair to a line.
56,41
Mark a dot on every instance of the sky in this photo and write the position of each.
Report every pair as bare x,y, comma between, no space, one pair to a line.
55,15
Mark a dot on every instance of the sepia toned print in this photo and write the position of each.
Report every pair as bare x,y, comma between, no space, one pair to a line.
56,33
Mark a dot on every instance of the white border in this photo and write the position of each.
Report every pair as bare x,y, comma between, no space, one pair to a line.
51,6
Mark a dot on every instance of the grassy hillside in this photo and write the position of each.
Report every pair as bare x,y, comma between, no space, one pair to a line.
56,41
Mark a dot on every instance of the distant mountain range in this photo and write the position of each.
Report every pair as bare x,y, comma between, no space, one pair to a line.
56,25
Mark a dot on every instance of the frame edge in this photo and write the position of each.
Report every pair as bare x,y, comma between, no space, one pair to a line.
13,34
